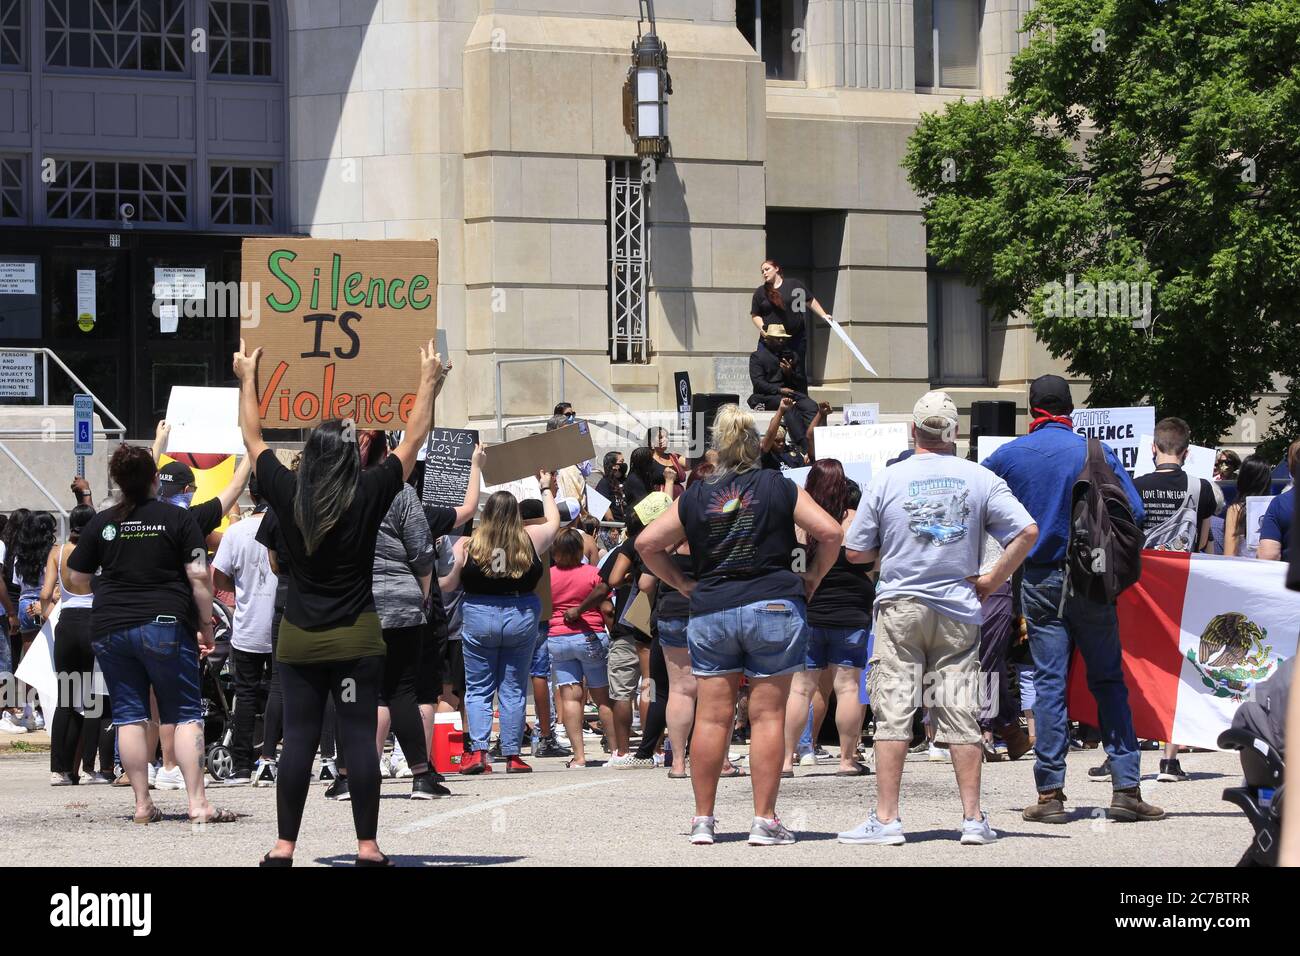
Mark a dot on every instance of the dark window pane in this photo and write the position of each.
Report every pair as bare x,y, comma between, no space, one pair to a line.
262,20
78,50
240,63
262,59
243,180
151,53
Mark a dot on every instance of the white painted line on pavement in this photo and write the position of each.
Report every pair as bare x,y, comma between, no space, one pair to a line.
500,802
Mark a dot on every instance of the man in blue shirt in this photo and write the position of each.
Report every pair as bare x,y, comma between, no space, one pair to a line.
1275,526
1041,469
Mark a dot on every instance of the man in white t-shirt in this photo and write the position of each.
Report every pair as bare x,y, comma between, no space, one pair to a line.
925,519
241,565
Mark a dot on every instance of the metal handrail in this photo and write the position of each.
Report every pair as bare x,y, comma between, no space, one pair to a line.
46,355
63,513
563,360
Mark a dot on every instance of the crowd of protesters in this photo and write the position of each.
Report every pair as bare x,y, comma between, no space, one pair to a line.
355,608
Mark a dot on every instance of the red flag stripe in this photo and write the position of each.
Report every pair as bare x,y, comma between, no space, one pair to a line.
1150,614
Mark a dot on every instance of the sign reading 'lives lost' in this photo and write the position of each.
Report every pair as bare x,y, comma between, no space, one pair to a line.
447,460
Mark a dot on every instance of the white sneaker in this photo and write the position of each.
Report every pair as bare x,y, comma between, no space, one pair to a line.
386,768
876,833
11,725
619,760
153,776
808,760
401,768
264,773
659,760
978,832
171,779
936,754
702,830
562,738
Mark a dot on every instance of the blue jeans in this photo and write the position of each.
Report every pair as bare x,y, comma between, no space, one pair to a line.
6,653
672,631
578,656
541,663
845,646
164,656
1094,629
763,639
499,635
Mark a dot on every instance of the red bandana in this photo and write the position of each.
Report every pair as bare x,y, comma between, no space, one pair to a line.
1045,418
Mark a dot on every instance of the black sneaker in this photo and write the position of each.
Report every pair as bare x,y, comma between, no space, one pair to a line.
1100,773
549,747
1171,772
495,749
327,772
338,790
424,787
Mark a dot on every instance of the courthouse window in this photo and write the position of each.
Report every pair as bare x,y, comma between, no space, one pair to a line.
11,32
146,35
958,332
240,34
95,190
775,29
947,35
243,195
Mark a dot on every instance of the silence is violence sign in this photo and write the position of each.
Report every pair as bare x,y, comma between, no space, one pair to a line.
341,323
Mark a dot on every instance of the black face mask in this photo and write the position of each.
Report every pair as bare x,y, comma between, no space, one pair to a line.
619,471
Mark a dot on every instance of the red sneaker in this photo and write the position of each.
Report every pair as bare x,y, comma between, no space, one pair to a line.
515,764
476,761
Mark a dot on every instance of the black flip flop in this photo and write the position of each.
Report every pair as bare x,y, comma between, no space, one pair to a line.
276,861
384,862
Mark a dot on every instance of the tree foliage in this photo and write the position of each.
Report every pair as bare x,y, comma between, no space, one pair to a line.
1139,141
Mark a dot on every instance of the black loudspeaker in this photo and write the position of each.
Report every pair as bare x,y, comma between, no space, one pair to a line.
992,418
704,408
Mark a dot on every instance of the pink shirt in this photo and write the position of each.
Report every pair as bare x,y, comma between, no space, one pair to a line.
569,588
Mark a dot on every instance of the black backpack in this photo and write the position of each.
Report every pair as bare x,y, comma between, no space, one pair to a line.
1104,553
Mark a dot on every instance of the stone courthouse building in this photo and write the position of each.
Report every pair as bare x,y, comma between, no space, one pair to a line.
146,135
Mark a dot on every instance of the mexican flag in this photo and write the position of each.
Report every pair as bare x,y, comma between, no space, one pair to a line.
1198,631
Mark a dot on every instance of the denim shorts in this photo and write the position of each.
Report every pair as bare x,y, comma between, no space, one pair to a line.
672,631
164,656
763,639
845,646
576,656
29,604
541,665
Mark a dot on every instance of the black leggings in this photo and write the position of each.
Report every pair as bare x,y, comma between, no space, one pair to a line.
74,737
273,721
252,684
401,669
354,687
656,717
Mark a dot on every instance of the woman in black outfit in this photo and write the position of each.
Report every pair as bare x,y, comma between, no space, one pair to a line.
784,301
330,641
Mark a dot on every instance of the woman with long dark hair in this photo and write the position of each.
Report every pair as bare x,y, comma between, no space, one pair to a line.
498,567
11,719
1254,479
644,475
786,301
75,728
152,596
331,643
839,619
747,612
611,485
31,551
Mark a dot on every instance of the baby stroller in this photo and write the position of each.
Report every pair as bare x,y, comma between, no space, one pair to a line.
1260,796
217,693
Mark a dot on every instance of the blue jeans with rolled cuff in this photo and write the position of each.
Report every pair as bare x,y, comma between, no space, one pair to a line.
499,637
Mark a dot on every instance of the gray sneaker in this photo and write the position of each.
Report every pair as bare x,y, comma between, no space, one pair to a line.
978,832
876,833
769,833
702,830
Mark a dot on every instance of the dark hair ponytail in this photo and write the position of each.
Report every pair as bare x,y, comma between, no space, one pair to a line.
133,471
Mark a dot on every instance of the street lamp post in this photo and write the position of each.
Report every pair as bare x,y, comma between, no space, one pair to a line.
646,92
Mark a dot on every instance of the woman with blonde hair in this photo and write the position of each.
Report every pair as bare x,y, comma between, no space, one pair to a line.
747,609
498,567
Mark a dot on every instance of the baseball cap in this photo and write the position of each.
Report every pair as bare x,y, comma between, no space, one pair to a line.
569,509
935,405
1051,393
173,477
652,506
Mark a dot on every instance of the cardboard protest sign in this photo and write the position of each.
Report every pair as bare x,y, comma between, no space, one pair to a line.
341,322
449,453
204,420
873,443
1120,428
512,460
636,613
1199,463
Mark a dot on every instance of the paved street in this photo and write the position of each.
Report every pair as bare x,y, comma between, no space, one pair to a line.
632,817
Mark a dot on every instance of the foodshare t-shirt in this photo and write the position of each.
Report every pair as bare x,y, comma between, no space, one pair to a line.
741,530
141,560
927,516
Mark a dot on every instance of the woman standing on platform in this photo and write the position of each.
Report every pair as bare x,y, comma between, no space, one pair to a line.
784,301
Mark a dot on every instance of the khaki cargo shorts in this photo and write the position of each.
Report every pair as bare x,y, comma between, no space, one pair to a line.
922,658
624,667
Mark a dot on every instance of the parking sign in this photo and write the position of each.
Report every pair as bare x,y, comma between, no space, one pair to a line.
83,408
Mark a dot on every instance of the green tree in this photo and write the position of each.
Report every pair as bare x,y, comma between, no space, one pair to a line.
1139,141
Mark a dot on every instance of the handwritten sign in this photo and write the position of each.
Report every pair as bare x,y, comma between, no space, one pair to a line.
862,413
447,458
1120,428
872,443
341,322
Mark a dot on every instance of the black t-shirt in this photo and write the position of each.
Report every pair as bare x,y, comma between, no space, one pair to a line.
271,537
741,531
208,515
780,459
625,591
616,510
844,597
670,602
442,520
796,303
141,561
1163,492
331,587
